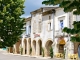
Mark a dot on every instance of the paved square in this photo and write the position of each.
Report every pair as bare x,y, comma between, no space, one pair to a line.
7,56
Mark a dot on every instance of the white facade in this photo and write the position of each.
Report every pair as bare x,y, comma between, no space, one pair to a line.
36,32
44,30
47,28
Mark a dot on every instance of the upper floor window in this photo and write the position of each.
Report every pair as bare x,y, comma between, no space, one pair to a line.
49,17
29,28
61,24
49,26
39,26
34,26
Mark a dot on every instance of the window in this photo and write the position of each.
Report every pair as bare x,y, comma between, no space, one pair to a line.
34,28
39,27
49,17
49,26
29,29
61,24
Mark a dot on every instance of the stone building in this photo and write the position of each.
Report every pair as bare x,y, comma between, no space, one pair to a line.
40,30
44,30
62,44
26,39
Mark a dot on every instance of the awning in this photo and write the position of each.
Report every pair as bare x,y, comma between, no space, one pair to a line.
62,41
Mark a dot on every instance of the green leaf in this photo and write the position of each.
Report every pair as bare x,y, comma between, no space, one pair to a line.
68,5
10,18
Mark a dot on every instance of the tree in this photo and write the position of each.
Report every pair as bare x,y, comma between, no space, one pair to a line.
11,25
75,32
69,6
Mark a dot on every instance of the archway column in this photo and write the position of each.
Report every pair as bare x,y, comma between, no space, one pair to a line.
28,46
37,48
33,51
14,49
45,52
24,47
34,48
55,49
48,45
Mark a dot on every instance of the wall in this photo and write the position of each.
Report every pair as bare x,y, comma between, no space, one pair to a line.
46,33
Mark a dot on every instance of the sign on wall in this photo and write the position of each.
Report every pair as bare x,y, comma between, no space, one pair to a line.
36,35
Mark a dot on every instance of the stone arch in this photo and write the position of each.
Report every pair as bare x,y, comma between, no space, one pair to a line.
18,47
34,47
48,45
25,46
29,46
39,47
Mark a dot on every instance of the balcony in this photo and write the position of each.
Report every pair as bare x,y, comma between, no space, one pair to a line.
29,35
59,33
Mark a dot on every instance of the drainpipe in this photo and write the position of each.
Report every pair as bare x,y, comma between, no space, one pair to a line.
53,14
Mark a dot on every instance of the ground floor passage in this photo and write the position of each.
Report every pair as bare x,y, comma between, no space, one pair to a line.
35,48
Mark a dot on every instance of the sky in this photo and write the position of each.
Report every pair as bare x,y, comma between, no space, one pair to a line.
31,5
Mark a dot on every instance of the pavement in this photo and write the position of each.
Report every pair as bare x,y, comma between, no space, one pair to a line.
6,56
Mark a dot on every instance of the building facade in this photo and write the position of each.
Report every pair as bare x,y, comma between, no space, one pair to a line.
44,30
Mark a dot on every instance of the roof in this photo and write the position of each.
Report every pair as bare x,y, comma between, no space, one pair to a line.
37,11
48,12
28,19
43,8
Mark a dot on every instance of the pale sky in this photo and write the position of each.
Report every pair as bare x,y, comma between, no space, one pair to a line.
31,5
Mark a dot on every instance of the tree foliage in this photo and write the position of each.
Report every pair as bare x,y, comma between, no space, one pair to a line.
11,24
68,5
75,32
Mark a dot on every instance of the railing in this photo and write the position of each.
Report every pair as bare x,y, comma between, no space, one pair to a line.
59,33
28,35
